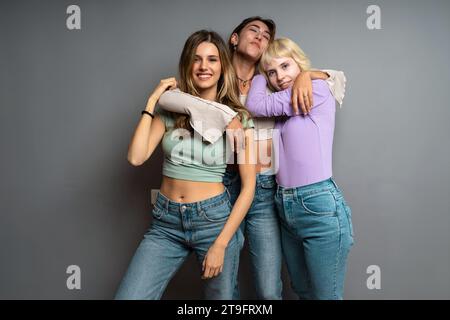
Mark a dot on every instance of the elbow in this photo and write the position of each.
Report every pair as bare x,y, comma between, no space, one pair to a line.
250,101
251,108
134,161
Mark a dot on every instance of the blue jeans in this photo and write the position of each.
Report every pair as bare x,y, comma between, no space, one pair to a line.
317,234
177,230
262,229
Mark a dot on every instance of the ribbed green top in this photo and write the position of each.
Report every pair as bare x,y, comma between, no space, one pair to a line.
188,157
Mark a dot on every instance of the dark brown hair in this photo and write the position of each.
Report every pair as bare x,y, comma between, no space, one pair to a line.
268,22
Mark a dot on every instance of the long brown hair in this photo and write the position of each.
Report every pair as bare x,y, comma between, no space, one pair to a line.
227,87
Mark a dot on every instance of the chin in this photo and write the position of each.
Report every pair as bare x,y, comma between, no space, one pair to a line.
254,54
204,86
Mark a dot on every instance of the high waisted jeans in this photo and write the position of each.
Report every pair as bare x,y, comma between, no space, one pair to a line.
262,230
177,230
317,234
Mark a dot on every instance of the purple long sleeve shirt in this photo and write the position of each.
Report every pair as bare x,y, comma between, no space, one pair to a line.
303,145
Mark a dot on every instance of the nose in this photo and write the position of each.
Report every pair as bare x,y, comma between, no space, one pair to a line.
280,76
203,64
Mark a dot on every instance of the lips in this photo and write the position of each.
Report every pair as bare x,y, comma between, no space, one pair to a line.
204,76
256,44
285,85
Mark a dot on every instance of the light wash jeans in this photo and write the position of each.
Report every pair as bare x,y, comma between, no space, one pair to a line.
317,234
177,230
262,229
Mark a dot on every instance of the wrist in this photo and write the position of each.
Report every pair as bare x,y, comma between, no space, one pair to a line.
221,244
304,74
307,73
151,104
318,75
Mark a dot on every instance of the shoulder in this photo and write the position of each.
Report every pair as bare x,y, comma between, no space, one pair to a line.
321,94
320,87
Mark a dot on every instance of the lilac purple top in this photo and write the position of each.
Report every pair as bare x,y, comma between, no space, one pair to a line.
303,145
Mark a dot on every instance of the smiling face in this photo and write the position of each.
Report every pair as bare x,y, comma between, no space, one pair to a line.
282,72
253,39
206,67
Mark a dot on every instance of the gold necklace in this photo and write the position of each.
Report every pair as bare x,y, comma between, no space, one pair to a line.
244,82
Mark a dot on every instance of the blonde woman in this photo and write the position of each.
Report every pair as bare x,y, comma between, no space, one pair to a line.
193,212
316,226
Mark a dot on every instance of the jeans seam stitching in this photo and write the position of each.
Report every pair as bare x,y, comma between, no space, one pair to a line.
337,261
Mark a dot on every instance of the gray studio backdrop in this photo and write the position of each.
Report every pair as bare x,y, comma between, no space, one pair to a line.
70,101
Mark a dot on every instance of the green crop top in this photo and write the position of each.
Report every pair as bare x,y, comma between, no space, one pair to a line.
188,157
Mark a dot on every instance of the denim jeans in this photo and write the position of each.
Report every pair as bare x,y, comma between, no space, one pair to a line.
262,229
317,234
177,230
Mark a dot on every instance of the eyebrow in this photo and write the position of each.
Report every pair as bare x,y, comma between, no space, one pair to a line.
209,56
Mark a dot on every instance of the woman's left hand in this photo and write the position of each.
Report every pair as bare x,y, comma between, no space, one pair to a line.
302,93
213,263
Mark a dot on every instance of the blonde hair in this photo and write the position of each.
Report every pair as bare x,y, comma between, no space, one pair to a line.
227,86
284,48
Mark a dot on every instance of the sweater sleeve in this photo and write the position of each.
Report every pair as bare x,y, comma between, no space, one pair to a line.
279,103
208,118
262,105
337,82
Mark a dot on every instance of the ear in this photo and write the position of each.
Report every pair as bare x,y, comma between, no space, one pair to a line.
234,39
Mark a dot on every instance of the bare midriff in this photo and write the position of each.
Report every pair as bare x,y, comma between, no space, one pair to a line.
190,191
193,191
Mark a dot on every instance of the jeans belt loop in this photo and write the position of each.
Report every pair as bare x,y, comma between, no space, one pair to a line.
335,185
228,193
199,207
166,204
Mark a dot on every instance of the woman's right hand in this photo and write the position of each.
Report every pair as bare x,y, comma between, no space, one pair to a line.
164,84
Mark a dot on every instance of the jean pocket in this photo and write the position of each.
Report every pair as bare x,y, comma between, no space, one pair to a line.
158,212
219,213
320,203
268,184
266,190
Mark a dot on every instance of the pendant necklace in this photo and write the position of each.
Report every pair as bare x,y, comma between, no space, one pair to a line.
244,82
